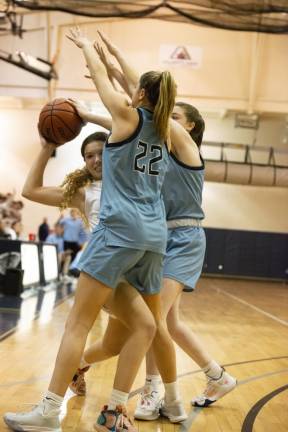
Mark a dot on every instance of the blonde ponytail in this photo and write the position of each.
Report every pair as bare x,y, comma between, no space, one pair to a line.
165,104
160,89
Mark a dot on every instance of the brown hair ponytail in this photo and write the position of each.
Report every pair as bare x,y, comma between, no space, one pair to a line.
194,116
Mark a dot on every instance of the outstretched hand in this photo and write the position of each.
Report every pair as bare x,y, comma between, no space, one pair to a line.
103,57
113,50
78,37
81,108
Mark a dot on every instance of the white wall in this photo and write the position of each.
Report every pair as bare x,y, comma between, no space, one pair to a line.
226,206
222,81
245,207
19,144
272,131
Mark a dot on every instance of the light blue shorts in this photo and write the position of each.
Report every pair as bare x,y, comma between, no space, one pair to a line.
185,255
114,264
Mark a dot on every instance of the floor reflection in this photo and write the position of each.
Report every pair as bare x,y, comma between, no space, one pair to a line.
35,303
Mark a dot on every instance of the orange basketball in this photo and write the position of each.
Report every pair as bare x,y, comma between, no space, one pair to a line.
59,121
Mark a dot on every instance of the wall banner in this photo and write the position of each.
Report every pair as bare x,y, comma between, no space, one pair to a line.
182,55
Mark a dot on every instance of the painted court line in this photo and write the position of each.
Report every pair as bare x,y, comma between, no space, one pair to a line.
258,377
279,320
187,424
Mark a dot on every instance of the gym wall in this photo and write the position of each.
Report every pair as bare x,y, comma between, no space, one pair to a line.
226,206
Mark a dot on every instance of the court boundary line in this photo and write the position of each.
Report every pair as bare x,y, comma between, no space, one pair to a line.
256,308
250,418
186,425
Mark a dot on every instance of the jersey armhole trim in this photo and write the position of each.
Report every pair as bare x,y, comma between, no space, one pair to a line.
188,166
132,137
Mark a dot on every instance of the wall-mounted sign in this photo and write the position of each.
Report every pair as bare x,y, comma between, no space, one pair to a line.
181,55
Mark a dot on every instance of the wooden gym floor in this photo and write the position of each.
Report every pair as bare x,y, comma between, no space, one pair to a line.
244,325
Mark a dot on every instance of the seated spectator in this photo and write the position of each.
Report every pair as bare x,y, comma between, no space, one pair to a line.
10,213
15,210
8,229
3,232
17,227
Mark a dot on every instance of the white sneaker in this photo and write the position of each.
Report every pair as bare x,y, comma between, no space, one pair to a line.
147,406
174,411
67,279
215,390
34,420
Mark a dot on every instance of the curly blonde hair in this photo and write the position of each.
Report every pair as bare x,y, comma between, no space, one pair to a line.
79,178
72,183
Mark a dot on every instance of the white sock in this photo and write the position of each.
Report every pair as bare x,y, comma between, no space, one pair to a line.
171,392
83,363
213,370
117,398
52,401
152,383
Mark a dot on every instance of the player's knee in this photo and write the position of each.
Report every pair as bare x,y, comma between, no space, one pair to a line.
174,328
77,326
148,328
111,349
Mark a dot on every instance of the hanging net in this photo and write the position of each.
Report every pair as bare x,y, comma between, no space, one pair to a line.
267,16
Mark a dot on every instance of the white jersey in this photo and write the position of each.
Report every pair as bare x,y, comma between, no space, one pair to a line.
92,203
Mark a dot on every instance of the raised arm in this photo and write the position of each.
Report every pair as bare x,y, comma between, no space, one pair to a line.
113,72
33,188
130,74
116,103
183,145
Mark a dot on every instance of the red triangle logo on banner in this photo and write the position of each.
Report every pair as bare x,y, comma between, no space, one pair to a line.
180,53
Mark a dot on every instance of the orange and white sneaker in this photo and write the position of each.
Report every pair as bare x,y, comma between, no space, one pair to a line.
78,383
215,390
114,421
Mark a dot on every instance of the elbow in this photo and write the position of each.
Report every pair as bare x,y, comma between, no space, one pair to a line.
26,193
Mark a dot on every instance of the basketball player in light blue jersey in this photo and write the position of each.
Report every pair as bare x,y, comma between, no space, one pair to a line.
185,251
182,190
126,250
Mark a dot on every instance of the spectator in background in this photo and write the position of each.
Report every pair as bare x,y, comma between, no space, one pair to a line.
6,223
3,232
56,237
64,257
43,230
17,227
5,203
10,208
15,210
75,234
